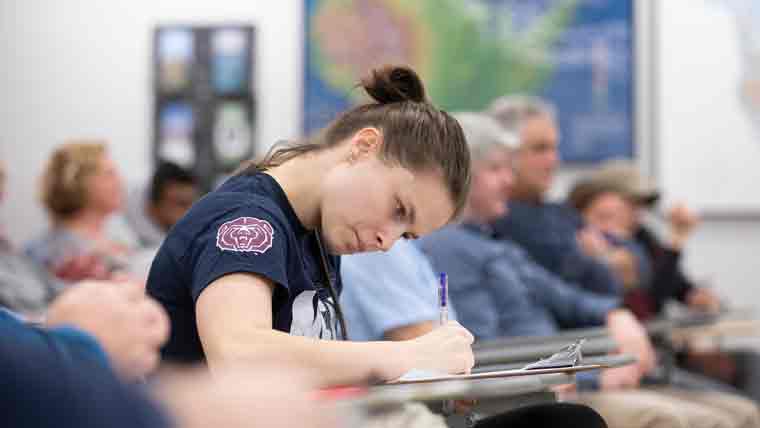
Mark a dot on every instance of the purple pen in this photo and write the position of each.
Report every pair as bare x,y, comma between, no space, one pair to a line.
443,306
443,298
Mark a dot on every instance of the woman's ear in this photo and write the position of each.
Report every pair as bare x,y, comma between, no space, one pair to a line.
365,143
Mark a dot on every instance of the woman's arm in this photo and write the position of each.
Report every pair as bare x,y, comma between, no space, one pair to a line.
234,316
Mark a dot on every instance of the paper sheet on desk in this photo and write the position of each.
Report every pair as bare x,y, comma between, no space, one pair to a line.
498,374
566,360
416,374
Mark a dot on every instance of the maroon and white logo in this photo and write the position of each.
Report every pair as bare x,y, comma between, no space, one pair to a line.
245,234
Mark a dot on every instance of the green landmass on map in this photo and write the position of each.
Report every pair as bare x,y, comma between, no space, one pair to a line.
467,54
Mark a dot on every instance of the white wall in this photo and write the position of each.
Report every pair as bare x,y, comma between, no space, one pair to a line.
705,150
710,136
82,68
725,253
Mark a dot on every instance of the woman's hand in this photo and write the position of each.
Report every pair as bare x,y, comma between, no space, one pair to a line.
446,349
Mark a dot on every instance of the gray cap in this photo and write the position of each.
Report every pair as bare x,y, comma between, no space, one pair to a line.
624,176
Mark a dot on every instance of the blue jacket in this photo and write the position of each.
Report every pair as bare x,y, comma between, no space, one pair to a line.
499,291
60,378
69,344
547,232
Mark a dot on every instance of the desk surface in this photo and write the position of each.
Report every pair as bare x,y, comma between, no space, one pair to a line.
654,328
499,374
390,394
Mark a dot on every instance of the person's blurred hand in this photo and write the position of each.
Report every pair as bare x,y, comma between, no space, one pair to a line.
703,299
270,395
682,223
81,267
620,378
130,326
565,392
632,339
592,242
624,265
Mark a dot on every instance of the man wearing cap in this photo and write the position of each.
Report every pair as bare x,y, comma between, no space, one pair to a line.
668,279
740,368
551,233
606,209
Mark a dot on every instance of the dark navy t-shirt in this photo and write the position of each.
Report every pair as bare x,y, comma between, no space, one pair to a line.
247,225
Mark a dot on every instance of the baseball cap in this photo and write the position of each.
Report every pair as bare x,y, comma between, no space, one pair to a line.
624,176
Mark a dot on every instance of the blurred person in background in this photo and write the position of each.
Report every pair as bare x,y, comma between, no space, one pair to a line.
668,278
552,233
78,369
610,214
615,198
25,287
81,189
152,211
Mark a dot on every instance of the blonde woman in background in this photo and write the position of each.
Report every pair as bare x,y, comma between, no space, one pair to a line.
81,189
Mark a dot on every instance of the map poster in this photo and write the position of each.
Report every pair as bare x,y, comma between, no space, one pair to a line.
578,54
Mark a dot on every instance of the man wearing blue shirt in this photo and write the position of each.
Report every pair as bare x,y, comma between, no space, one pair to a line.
395,294
551,233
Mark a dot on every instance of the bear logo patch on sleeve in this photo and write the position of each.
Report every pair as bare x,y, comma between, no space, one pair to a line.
245,234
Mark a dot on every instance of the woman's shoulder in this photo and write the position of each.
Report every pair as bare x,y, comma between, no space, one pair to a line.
234,210
229,207
239,191
53,240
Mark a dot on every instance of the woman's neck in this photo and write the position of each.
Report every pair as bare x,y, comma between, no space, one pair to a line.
301,179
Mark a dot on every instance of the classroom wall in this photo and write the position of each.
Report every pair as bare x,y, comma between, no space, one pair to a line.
705,151
83,68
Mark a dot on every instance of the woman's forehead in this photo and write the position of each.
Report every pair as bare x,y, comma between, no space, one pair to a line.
430,199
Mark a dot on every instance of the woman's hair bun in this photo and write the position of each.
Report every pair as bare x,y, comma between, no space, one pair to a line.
394,83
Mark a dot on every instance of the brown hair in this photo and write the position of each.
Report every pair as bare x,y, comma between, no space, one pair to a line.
416,135
585,192
63,189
